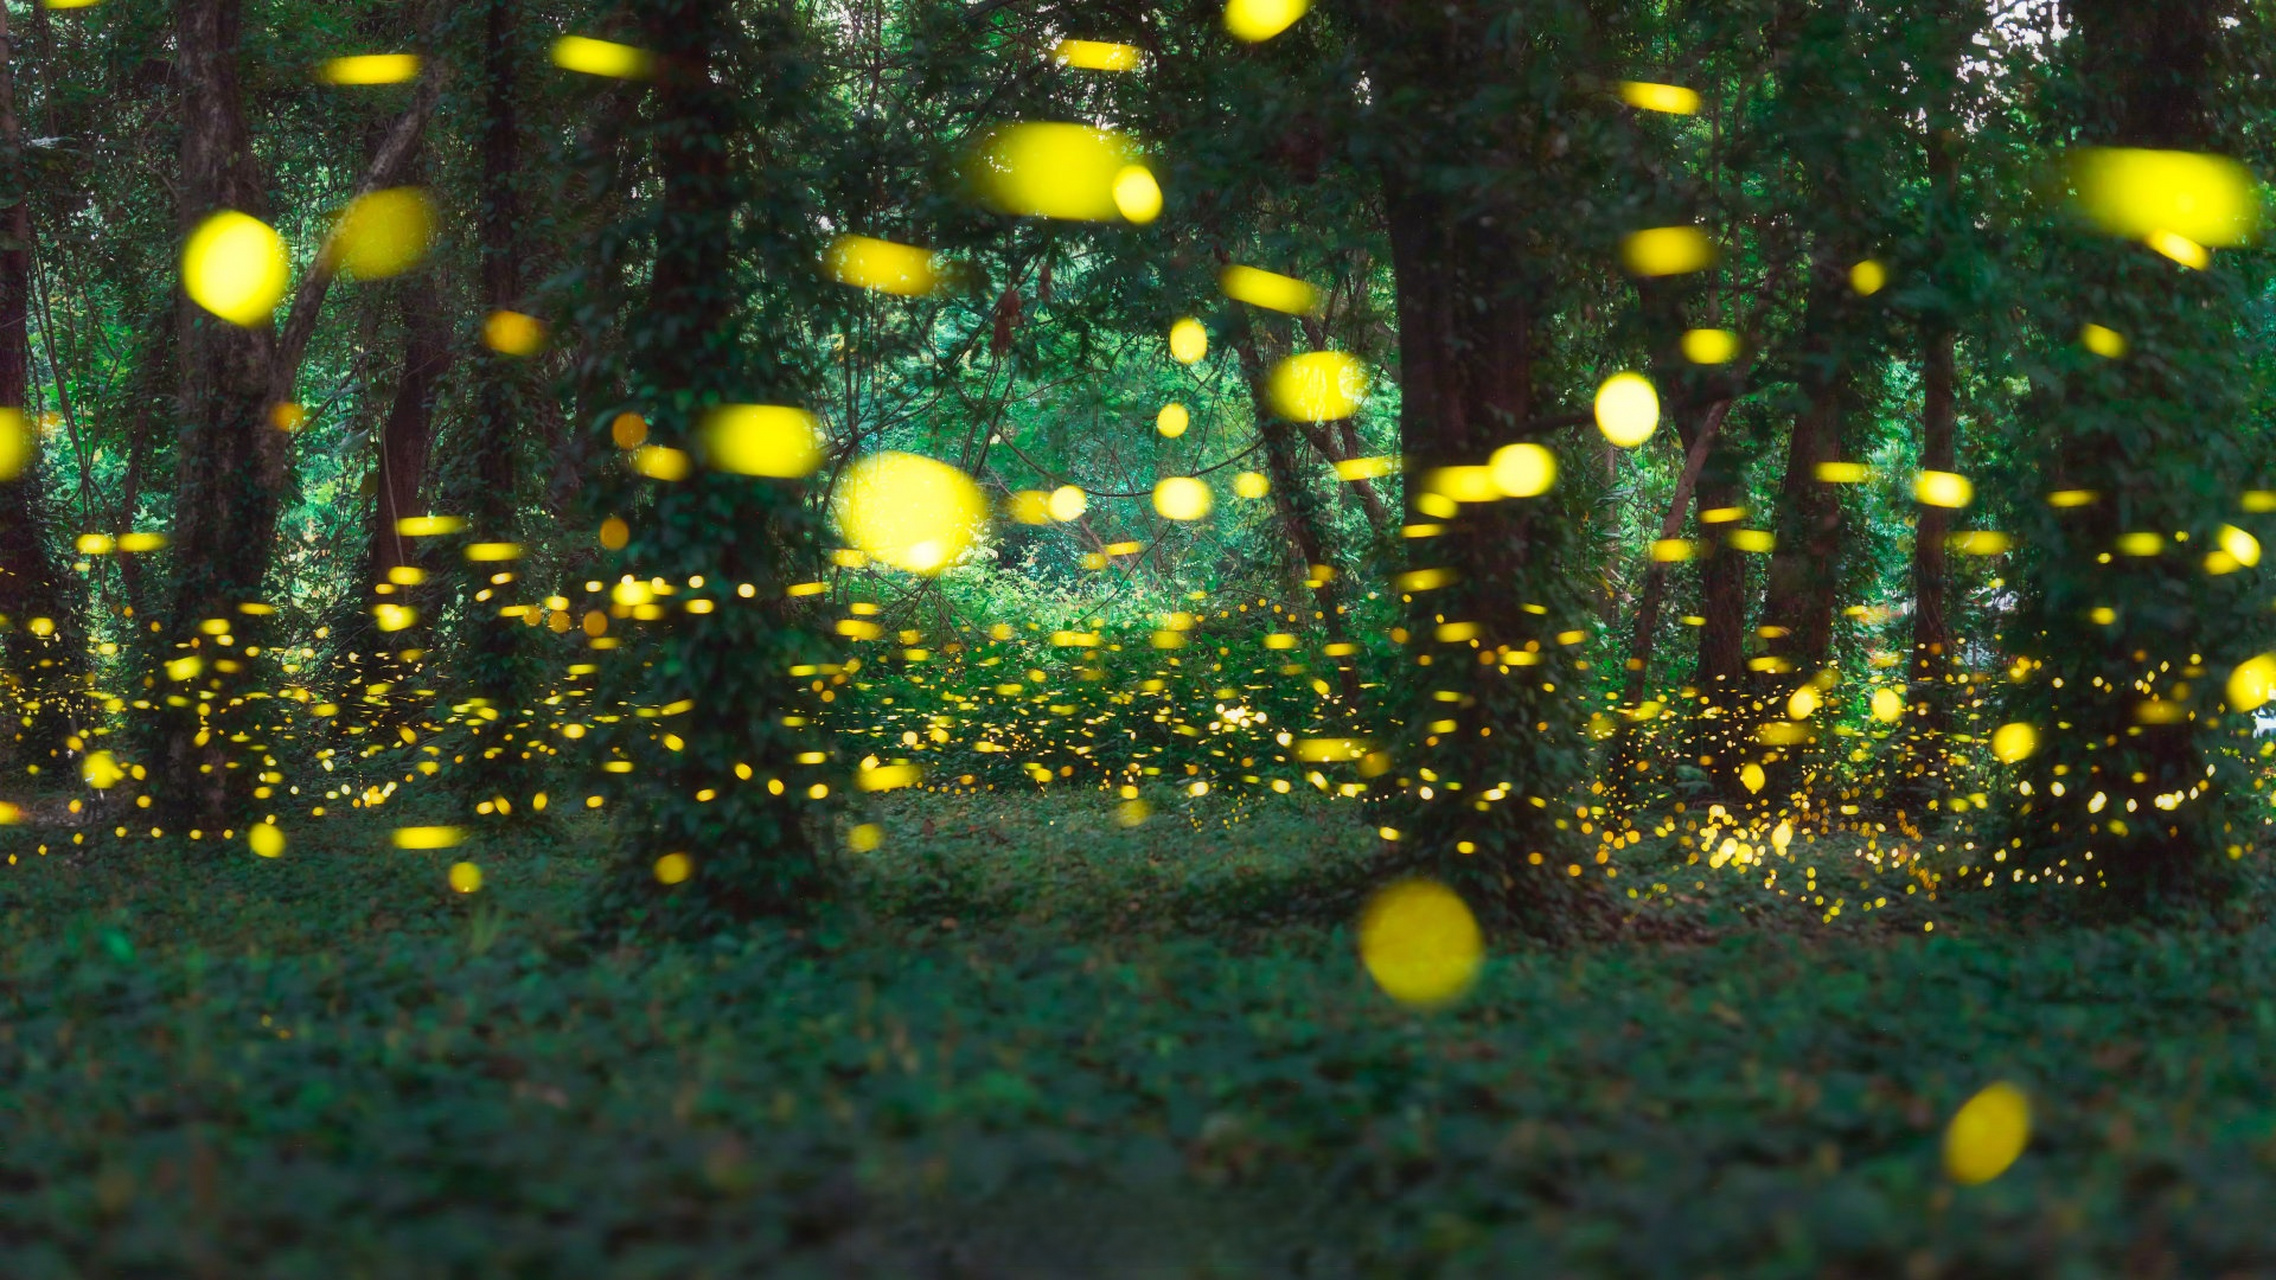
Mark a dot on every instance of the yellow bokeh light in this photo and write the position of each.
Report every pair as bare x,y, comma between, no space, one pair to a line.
1137,196
429,526
1667,251
511,333
1188,341
1986,1135
1269,290
235,266
881,265
1710,346
266,840
909,512
2241,546
2014,742
602,58
1868,277
1888,706
1052,170
1752,778
370,68
1029,506
1523,470
674,868
1172,420
1067,503
141,541
1250,21
101,771
1318,386
1627,409
1670,99
1183,498
1420,943
1251,484
1981,542
660,462
1096,55
2139,194
2107,343
427,837
18,445
384,234
762,440
2252,683
1943,489
465,877
1843,472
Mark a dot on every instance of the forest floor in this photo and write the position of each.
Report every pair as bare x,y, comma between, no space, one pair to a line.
1042,1044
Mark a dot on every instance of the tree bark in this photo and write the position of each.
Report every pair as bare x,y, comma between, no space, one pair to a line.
40,636
1294,503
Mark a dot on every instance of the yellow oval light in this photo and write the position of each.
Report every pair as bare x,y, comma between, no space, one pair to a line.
2138,194
1627,409
1987,1133
762,440
370,68
1251,484
674,868
2252,683
465,877
2242,546
2014,742
881,265
910,512
1270,290
602,58
1868,277
1250,21
1670,99
1172,420
101,771
1188,341
1183,498
1888,706
17,443
1667,251
266,841
427,837
1068,503
1318,386
511,333
1137,197
1524,470
1053,170
1943,489
1710,346
235,266
384,234
1420,943
2104,342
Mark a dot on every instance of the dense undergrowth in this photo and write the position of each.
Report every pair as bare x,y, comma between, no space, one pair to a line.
1040,1043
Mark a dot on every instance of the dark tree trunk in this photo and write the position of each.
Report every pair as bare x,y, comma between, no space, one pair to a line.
1293,501
749,847
229,460
1801,596
40,637
1474,260
1931,627
497,659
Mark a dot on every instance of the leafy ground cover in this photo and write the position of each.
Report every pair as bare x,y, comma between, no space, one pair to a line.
1045,1044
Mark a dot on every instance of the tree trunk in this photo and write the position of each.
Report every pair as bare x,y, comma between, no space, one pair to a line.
40,638
1931,629
749,846
229,460
498,648
1474,257
1293,501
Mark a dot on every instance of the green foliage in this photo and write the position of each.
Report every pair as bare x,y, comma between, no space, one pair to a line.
329,1063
